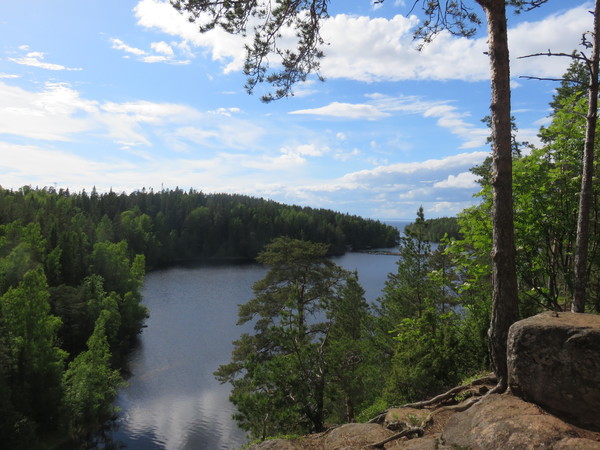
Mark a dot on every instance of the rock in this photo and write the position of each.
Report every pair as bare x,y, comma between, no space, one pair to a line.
345,437
578,443
277,444
554,361
495,422
398,419
353,436
424,443
508,422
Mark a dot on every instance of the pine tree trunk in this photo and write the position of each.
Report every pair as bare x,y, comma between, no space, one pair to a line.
504,294
585,195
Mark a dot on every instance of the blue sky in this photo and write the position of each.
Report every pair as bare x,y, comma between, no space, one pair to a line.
126,94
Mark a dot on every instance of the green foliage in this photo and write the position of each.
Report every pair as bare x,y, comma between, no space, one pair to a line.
283,384
306,357
427,358
22,248
34,360
82,257
407,290
372,410
435,310
302,17
90,383
436,229
352,355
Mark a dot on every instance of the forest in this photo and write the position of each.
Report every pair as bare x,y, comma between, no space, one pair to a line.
72,267
71,270
321,355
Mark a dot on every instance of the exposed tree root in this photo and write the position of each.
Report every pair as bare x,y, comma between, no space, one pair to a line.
446,396
455,408
415,430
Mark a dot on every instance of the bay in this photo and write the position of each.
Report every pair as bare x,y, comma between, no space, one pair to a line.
172,400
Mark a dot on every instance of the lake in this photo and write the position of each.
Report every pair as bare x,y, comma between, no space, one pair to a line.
172,400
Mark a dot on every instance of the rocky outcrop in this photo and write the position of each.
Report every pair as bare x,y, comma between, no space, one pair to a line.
554,364
495,422
554,361
508,422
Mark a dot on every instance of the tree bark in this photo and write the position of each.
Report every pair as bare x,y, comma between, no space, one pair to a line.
585,194
504,279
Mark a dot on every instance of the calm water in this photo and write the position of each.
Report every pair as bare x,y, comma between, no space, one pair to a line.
172,400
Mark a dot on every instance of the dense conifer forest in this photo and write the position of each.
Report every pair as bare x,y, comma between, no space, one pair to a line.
71,269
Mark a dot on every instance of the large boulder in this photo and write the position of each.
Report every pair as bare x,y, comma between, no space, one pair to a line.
554,361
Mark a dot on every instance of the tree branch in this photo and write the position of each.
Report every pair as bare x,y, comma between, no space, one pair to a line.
549,53
527,77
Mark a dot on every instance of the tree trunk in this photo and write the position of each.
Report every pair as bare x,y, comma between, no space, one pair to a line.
585,195
504,279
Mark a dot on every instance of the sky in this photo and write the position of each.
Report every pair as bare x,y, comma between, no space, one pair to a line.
127,94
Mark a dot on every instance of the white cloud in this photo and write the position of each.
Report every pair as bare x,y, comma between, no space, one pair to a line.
50,114
344,156
381,106
560,32
160,15
379,49
391,174
448,117
150,112
464,180
216,132
162,47
58,113
227,112
36,59
397,190
155,59
345,110
118,44
30,164
163,52
8,75
305,150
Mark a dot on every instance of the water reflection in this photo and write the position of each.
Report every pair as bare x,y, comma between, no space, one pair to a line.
173,401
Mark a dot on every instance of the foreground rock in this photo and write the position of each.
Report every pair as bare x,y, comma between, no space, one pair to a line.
508,422
554,365
554,361
349,436
496,422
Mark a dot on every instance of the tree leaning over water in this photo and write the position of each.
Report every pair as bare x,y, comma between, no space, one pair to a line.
305,17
